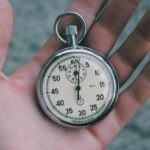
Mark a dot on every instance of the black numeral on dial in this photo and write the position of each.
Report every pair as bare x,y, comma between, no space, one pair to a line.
60,103
55,91
75,61
82,112
102,84
62,68
93,107
97,72
56,78
100,97
69,111
87,64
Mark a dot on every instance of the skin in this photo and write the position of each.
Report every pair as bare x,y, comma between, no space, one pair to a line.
22,123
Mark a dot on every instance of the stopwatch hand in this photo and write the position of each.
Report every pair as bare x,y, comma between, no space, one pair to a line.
78,87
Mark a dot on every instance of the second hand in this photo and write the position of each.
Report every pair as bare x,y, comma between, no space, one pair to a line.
78,87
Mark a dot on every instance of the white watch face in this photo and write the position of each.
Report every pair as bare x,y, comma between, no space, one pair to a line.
78,87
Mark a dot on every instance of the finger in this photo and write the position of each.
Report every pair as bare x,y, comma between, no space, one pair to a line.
131,100
88,9
106,30
138,94
6,21
133,50
128,104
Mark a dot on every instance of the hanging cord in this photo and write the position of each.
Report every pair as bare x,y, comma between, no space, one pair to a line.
138,70
101,10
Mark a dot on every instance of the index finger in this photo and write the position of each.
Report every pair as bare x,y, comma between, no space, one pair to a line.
6,24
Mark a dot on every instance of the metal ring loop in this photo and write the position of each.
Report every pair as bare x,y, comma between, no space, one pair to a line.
74,14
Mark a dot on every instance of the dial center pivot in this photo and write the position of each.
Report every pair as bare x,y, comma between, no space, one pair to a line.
80,101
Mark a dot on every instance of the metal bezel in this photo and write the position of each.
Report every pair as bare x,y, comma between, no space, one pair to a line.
79,49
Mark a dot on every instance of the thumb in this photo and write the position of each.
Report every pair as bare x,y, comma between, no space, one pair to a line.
6,24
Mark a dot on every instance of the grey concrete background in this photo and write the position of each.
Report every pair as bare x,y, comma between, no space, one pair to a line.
33,24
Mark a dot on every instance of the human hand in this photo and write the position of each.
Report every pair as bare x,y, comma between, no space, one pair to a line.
22,123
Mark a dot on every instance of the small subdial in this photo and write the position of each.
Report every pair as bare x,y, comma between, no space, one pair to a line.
76,72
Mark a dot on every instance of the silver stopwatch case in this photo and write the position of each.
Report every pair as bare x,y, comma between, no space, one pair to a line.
50,111
77,86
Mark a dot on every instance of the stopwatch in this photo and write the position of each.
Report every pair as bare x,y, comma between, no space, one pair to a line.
77,86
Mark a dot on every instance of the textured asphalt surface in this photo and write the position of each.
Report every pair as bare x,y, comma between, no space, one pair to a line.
33,25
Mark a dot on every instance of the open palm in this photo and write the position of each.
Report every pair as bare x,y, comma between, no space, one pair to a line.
23,126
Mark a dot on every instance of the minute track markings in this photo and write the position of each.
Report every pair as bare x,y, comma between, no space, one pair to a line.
82,116
49,87
63,88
